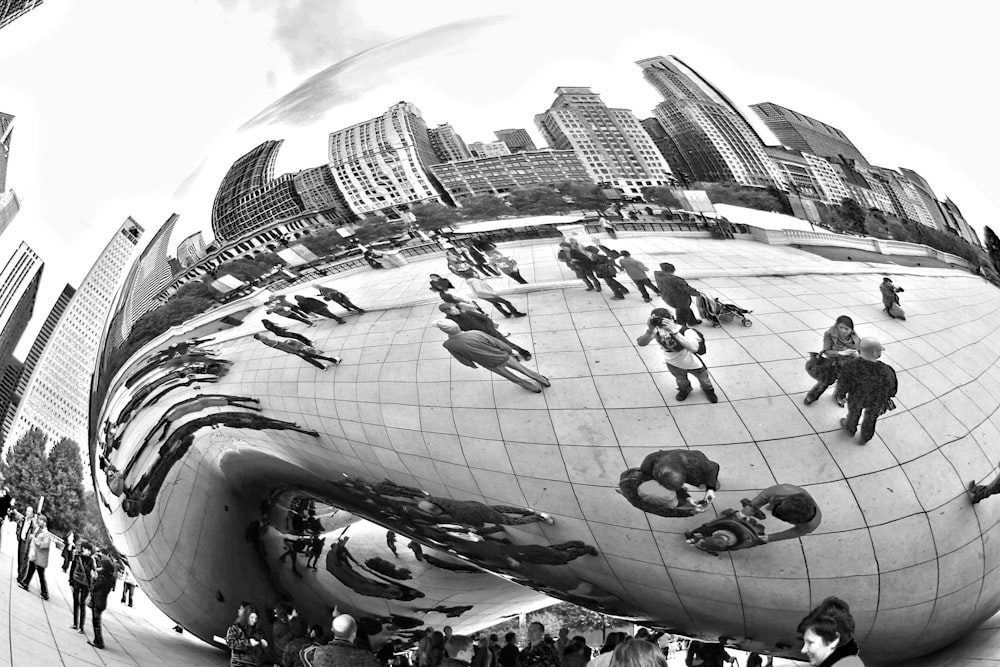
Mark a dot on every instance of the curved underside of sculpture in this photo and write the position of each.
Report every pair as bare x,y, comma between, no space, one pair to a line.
230,470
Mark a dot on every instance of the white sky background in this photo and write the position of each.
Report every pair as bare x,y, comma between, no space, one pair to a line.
134,108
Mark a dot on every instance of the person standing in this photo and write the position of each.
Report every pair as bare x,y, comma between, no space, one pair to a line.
840,347
25,530
102,586
585,265
828,635
440,284
5,503
283,332
475,347
299,349
869,386
245,638
509,652
506,265
69,547
470,320
608,227
679,345
479,259
338,297
38,557
605,269
789,503
538,652
677,294
481,289
317,307
81,576
285,310
636,271
128,584
342,650
390,541
461,651
565,256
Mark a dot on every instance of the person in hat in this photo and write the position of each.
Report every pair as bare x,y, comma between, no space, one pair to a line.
680,346
869,386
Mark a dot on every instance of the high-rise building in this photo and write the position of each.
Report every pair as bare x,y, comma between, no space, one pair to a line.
503,173
319,192
9,206
6,131
905,197
191,250
806,134
149,274
250,197
517,139
57,396
610,143
926,195
380,165
488,148
19,281
957,222
31,361
712,137
796,171
447,144
8,385
11,10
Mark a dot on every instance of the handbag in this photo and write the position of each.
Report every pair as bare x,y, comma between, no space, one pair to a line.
817,366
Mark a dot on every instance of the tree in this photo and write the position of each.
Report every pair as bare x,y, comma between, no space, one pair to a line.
484,207
432,215
537,201
369,232
324,242
661,196
64,497
91,526
853,214
586,196
761,199
992,246
25,471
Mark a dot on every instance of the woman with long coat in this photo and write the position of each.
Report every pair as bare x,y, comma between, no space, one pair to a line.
840,346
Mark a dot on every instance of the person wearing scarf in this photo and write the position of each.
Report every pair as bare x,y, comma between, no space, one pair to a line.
840,346
828,635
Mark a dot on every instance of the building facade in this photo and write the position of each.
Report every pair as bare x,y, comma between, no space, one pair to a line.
503,173
517,139
904,195
19,282
9,206
6,131
806,134
957,222
380,165
31,361
796,172
149,274
610,143
191,250
488,148
447,145
926,195
319,192
57,396
710,133
11,10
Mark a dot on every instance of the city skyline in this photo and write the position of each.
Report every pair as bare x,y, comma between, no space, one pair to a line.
148,147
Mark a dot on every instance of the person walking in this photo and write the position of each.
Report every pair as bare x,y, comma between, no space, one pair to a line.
869,386
283,332
439,284
605,269
565,256
338,297
636,271
479,259
481,289
299,349
608,227
103,583
506,265
25,531
470,320
460,265
676,292
840,347
317,307
128,584
584,264
38,557
81,577
890,298
285,310
680,346
69,548
475,347
828,635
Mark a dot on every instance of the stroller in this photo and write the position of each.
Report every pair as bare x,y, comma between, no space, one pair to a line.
719,312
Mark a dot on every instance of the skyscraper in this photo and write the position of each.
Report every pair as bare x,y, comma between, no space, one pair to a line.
517,139
488,149
380,165
926,195
503,173
191,250
957,222
9,206
711,135
448,146
19,281
11,10
57,396
610,143
319,192
6,131
37,347
806,134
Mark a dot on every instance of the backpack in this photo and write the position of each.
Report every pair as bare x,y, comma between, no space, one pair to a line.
81,577
701,340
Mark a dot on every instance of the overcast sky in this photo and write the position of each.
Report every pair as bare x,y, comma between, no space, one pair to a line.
138,108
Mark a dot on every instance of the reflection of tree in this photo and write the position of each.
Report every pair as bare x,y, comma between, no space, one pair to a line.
450,612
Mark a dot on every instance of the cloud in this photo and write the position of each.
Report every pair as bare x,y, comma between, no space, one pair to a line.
338,84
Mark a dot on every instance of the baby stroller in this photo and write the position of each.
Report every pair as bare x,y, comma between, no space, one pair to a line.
719,312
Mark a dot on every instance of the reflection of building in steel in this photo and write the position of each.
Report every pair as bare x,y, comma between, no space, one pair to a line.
448,145
56,397
37,347
319,192
517,139
11,10
488,148
380,165
9,206
8,385
191,250
503,173
796,171
6,131
610,143
150,273
19,281
926,195
956,222
803,133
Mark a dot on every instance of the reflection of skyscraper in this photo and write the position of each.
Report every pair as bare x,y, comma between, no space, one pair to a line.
710,134
149,275
9,206
11,10
18,287
57,394
6,130
191,250
447,144
319,192
41,340
807,134
517,139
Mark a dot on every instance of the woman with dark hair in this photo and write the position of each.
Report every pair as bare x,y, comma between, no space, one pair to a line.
576,653
840,346
638,653
245,638
828,635
99,590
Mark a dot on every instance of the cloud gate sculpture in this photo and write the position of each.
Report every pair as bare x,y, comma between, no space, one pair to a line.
406,488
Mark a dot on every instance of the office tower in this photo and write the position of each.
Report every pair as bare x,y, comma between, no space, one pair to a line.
713,139
250,197
6,131
37,347
319,192
488,148
517,139
904,195
829,179
9,206
8,384
610,143
806,134
57,396
926,195
447,144
796,171
149,274
503,173
11,10
191,250
957,223
19,281
380,165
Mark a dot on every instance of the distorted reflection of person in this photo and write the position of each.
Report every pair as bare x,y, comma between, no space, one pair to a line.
338,297
293,547
279,306
348,571
197,404
298,349
315,550
389,569
282,332
186,360
673,469
316,307
790,504
731,531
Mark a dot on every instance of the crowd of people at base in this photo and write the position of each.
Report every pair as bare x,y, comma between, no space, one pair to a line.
92,574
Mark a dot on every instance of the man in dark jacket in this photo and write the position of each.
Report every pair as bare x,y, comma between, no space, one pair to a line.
102,586
605,269
869,386
278,330
338,297
580,262
316,307
474,347
470,320
677,293
341,651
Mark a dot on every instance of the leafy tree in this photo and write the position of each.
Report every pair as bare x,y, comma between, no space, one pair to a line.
484,207
433,215
761,199
25,470
91,525
992,244
662,196
853,214
537,201
325,242
782,199
369,232
586,196
195,289
246,269
64,496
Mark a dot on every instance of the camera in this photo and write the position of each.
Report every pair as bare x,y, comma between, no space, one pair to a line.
657,322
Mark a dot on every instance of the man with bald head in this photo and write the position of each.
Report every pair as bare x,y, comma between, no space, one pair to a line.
869,385
341,652
495,355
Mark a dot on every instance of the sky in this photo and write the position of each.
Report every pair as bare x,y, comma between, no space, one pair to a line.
137,109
